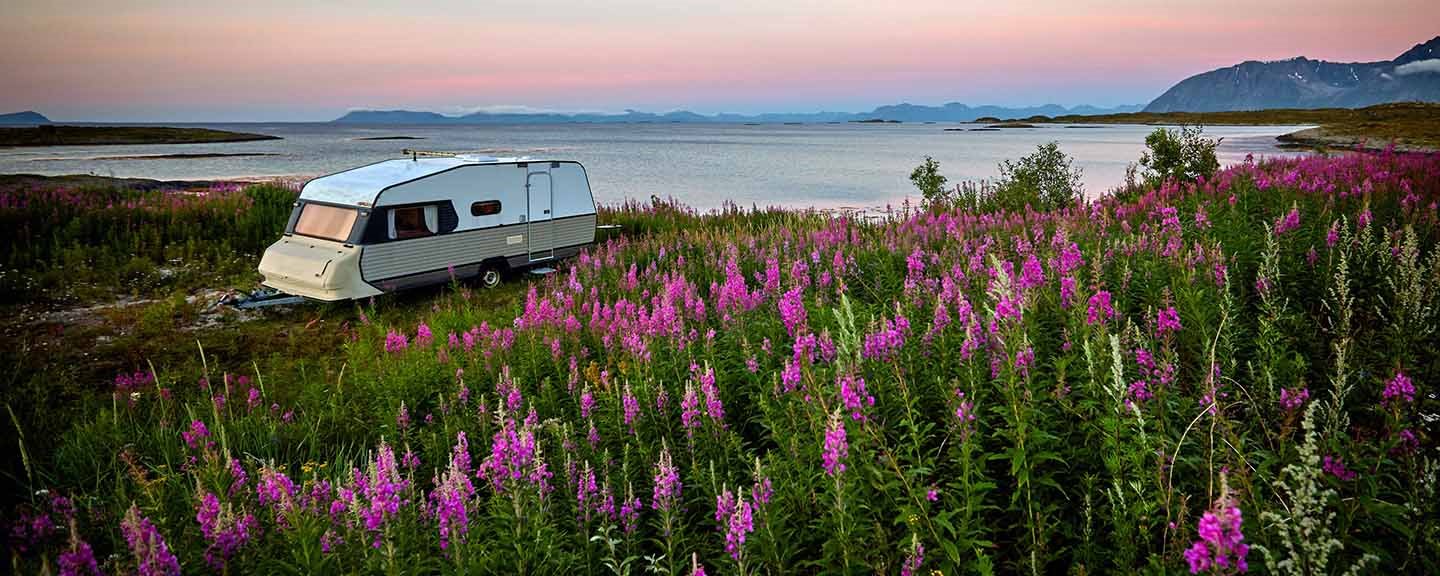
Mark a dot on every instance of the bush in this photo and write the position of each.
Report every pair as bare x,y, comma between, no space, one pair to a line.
1045,180
1183,154
930,181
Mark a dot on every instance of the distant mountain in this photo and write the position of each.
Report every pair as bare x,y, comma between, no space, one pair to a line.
26,118
952,112
1304,83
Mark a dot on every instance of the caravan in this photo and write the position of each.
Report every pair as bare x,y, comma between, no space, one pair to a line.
422,220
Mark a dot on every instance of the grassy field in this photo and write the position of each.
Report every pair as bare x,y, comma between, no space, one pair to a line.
59,135
1410,125
1204,377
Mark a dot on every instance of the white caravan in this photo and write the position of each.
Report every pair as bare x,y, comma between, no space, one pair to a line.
399,224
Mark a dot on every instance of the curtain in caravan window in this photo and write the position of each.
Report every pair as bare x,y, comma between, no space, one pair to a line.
390,219
432,219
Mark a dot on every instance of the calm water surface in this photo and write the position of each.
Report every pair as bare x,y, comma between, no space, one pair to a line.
703,165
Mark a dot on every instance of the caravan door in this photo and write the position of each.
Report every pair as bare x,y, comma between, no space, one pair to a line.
539,233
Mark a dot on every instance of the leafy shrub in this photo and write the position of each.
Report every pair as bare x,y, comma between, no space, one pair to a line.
1182,154
929,180
1045,180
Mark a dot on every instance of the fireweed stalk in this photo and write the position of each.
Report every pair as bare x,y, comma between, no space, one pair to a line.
665,499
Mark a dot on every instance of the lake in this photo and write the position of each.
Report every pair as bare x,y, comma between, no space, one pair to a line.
703,165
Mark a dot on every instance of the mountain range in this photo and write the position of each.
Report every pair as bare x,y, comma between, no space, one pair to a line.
26,118
952,112
1304,83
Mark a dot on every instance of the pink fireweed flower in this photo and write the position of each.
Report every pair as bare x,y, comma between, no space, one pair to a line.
1293,399
383,491
666,492
395,341
152,555
1099,310
792,310
1335,466
1024,359
1398,389
690,410
762,491
836,447
276,491
913,559
1067,291
402,419
197,437
252,399
790,375
631,407
1222,544
1167,321
630,513
714,408
225,531
1031,274
586,492
587,401
735,517
1288,222
452,494
887,341
79,560
1332,236
423,335
1070,259
1408,443
238,477
593,436
1139,392
965,415
854,395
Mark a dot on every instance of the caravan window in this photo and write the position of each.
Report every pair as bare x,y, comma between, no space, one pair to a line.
326,222
414,222
486,208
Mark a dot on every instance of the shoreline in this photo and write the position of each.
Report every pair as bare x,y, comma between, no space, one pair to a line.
66,135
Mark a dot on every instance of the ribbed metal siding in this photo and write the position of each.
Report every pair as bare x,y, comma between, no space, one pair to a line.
572,231
391,259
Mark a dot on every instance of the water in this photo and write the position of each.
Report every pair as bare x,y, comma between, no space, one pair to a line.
703,165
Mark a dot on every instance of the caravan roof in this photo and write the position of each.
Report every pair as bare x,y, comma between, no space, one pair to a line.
362,185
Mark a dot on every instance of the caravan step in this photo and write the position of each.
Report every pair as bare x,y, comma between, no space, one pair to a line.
542,271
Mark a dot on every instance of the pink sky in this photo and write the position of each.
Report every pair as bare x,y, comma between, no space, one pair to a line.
166,60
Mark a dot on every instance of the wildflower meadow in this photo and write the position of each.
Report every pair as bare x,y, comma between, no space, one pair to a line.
1235,374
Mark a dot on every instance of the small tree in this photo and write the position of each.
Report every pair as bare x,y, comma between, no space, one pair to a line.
1182,154
1045,180
928,179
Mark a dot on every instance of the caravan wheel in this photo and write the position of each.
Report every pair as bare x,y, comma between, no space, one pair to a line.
490,276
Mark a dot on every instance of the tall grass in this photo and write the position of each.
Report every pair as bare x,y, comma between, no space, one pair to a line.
78,242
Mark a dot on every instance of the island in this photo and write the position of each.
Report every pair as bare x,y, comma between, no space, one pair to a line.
57,135
1409,126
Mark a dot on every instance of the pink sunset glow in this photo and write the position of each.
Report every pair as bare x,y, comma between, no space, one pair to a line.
264,60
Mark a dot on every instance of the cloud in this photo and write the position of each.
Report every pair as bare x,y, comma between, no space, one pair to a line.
1418,67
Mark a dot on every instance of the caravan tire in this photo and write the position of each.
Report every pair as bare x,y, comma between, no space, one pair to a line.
491,274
